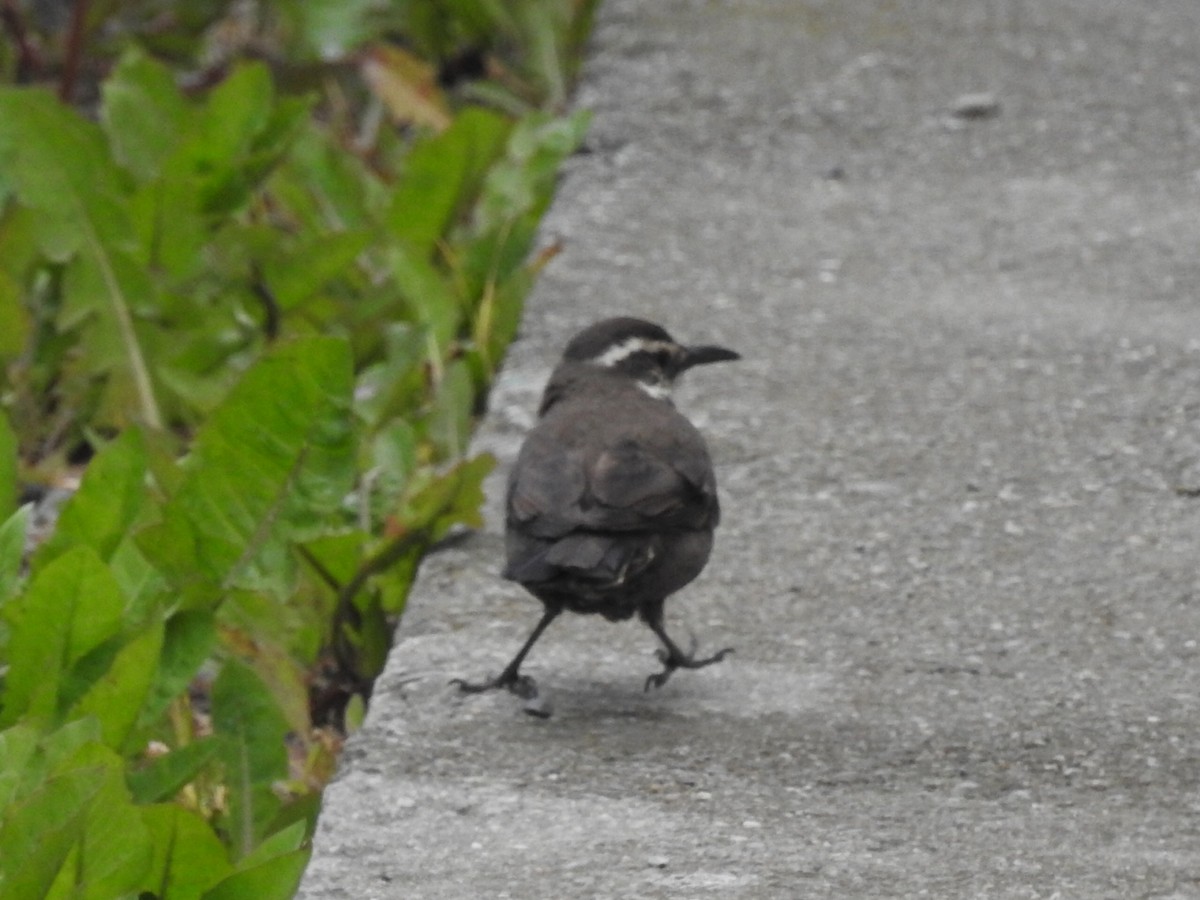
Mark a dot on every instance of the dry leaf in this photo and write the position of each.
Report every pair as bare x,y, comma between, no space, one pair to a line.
407,86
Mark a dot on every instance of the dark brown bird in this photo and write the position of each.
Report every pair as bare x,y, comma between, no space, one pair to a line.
612,501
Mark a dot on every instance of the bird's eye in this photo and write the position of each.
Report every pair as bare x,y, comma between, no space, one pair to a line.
663,359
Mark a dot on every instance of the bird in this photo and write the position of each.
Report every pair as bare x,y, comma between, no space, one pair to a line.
612,502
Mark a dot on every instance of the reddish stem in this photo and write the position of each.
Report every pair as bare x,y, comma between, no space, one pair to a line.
28,60
74,53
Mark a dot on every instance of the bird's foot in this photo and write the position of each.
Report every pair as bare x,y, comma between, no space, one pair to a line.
674,658
521,685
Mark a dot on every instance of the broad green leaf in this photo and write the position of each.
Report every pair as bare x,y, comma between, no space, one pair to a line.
283,841
188,857
242,134
275,879
429,295
272,638
188,640
271,464
143,113
71,608
101,512
442,175
524,180
163,777
302,810
60,169
307,270
115,851
116,698
251,730
73,745
38,833
17,747
237,111
326,187
144,587
57,164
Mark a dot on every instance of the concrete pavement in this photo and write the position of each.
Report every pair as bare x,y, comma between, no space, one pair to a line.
960,469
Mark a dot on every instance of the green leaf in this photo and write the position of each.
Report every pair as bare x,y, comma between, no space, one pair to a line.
429,296
115,851
12,553
394,458
450,417
163,777
329,29
17,747
116,698
188,641
8,468
15,322
312,265
275,879
188,857
39,832
391,388
283,841
355,714
59,167
442,175
72,743
272,463
143,113
108,501
238,110
272,637
326,187
524,180
71,608
455,498
57,164
251,731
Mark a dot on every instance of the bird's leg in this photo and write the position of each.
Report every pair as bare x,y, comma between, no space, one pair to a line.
672,657
511,679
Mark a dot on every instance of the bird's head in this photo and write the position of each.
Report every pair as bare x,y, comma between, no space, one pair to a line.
642,351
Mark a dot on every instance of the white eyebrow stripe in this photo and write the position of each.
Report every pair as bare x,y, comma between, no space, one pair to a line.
659,391
627,348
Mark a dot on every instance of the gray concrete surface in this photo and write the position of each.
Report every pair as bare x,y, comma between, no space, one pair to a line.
960,559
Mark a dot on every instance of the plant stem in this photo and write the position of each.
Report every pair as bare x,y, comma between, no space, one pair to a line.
75,36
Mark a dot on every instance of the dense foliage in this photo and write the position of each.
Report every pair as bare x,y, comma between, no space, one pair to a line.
263,297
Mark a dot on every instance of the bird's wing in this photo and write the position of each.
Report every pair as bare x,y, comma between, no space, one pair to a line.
556,490
629,480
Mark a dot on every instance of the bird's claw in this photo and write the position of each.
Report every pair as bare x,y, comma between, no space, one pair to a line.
673,661
521,685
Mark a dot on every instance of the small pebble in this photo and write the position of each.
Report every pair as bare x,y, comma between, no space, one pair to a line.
539,706
976,106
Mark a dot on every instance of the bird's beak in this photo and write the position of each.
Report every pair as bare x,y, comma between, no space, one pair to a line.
699,356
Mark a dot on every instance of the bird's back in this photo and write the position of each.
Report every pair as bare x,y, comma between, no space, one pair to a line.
612,502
